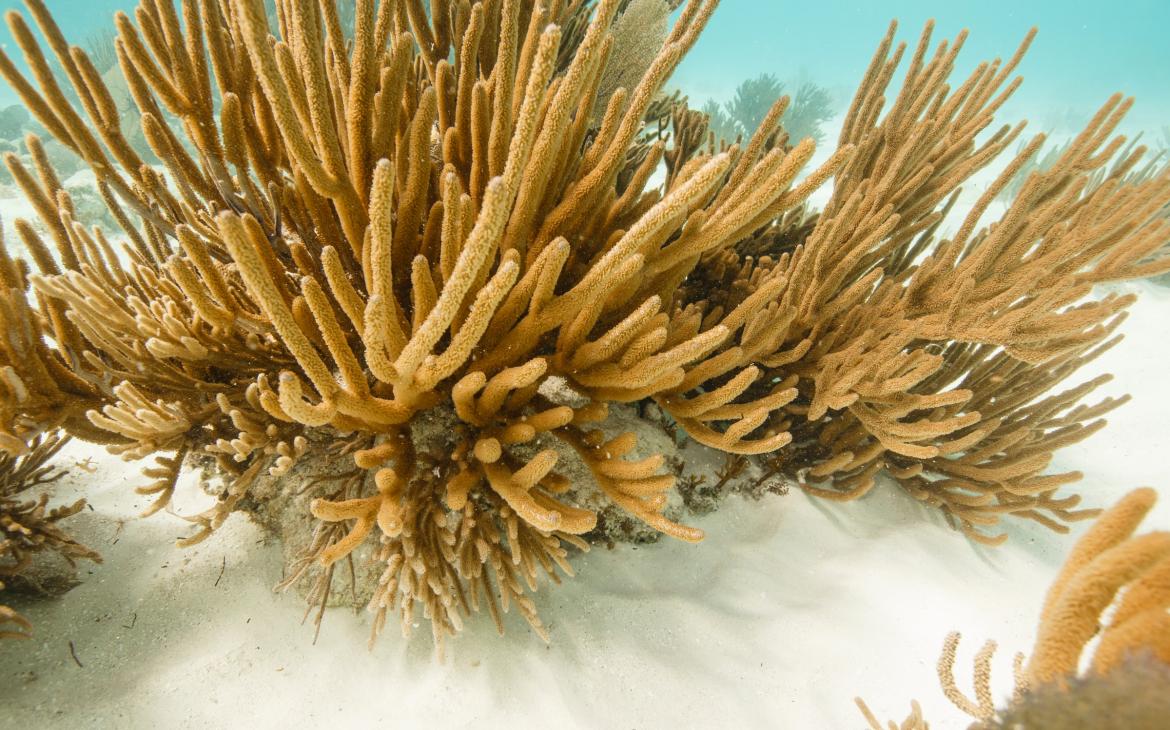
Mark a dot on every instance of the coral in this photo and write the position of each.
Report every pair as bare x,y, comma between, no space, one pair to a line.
752,100
344,9
1133,696
1152,166
720,123
1108,567
1105,560
100,49
913,721
811,107
1041,161
29,526
1112,593
943,364
638,33
410,269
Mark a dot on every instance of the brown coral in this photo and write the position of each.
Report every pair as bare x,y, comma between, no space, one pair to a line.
424,225
28,526
1114,587
1131,696
913,721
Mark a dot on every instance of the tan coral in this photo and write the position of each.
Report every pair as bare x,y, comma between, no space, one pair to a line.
913,721
424,224
1108,567
1115,587
28,526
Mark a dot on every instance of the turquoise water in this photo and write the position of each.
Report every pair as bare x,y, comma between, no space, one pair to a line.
1086,50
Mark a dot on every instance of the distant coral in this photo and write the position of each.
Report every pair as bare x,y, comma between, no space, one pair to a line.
752,100
809,108
101,51
638,34
13,121
805,118
720,123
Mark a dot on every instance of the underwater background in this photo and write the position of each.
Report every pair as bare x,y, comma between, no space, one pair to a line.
1084,52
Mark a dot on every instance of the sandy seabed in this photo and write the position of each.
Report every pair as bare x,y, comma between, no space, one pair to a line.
788,609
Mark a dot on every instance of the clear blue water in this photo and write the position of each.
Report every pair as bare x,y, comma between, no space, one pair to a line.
1086,50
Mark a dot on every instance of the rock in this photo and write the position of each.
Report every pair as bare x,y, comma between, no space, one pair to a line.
47,574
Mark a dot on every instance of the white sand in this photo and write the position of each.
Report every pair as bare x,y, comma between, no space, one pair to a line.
789,609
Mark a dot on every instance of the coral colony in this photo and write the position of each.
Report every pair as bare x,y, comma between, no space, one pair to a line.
1115,588
409,267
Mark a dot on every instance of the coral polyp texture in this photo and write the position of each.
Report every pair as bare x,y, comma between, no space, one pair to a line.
407,268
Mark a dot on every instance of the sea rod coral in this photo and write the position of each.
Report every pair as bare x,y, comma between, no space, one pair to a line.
417,266
30,526
1113,593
